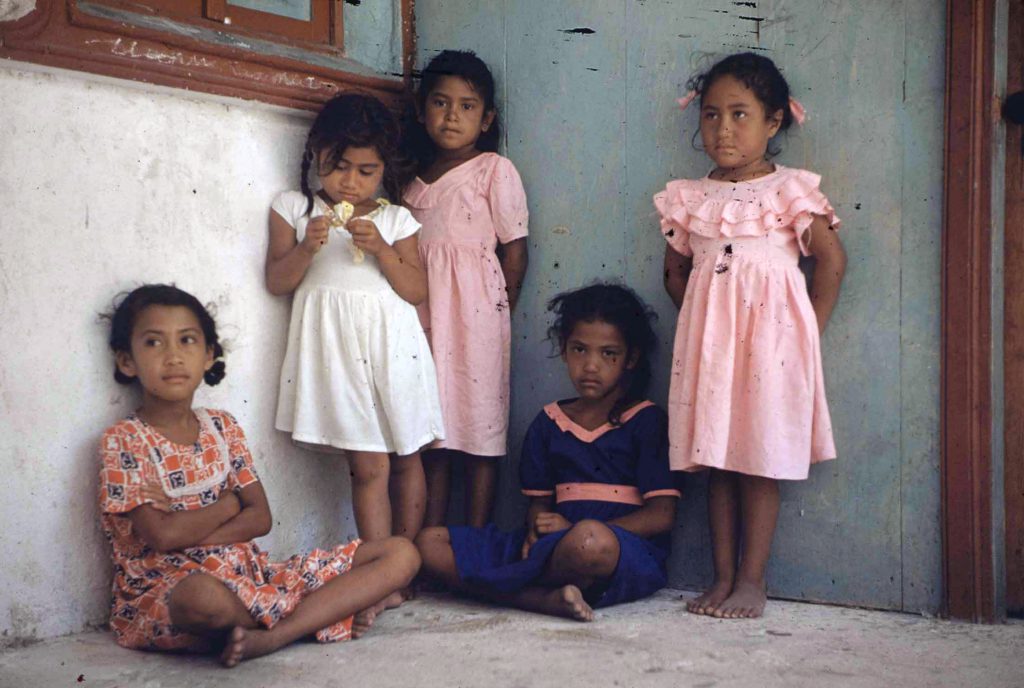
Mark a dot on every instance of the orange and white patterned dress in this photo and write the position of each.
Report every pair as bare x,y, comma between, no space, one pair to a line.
133,453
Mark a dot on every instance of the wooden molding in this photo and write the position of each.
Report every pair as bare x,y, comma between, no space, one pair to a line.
61,33
967,538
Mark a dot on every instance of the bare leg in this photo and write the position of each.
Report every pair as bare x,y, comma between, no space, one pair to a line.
203,605
588,552
437,465
410,495
723,501
370,501
386,566
435,547
481,478
759,507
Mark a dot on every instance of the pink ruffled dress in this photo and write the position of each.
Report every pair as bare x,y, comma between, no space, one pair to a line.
465,214
747,392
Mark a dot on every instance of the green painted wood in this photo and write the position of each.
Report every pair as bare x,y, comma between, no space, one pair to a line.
593,127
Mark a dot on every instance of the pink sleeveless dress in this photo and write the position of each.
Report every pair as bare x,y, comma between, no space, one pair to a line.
465,214
747,392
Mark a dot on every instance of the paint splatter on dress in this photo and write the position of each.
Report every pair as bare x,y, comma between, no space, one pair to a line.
133,453
747,392
465,214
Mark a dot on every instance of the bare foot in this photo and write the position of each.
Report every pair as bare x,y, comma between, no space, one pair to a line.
710,600
242,643
746,602
572,604
393,600
363,621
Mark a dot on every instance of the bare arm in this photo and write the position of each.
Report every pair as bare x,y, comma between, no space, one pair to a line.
514,257
399,262
677,272
830,266
288,259
252,521
657,515
167,531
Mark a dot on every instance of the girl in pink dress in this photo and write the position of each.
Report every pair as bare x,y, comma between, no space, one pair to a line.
747,395
472,206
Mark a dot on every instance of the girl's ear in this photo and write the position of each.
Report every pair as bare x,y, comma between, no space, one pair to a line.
775,123
488,120
209,359
634,358
125,363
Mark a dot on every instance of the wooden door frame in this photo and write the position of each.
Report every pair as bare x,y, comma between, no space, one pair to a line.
969,575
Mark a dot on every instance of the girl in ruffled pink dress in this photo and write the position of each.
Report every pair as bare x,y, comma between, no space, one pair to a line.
472,206
747,395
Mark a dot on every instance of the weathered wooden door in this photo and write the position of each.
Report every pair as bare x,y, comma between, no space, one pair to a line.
588,90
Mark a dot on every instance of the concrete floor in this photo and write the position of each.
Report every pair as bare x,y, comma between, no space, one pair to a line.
440,641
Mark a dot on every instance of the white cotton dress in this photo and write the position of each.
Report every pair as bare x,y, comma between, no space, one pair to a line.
357,372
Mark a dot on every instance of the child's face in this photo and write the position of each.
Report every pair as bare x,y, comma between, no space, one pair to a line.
168,353
733,125
454,114
597,357
356,178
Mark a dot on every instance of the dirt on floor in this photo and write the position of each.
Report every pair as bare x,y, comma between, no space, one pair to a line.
437,640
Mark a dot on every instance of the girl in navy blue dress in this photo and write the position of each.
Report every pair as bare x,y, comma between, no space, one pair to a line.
602,499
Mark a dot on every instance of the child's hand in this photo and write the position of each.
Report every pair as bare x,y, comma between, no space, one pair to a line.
154,494
550,522
366,236
318,230
531,537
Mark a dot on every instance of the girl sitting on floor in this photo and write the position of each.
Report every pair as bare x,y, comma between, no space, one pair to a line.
602,499
181,502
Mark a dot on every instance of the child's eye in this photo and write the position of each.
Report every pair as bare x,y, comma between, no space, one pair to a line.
151,341
189,339
438,102
577,349
468,106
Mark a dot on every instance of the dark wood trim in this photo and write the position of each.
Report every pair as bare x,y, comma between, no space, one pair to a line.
60,34
969,581
1013,323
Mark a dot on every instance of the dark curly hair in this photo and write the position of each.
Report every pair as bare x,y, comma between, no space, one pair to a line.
756,72
127,310
617,305
355,120
466,65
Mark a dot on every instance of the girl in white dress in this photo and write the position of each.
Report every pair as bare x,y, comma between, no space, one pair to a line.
357,374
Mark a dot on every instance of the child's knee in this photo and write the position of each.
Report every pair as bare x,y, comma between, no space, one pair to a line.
404,558
592,545
202,601
368,471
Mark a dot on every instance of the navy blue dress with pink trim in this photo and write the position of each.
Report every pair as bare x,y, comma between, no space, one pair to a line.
600,474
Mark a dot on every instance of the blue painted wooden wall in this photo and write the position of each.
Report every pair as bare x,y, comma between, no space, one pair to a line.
592,125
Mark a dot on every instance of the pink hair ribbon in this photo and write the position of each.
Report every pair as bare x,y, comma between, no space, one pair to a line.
795,108
685,101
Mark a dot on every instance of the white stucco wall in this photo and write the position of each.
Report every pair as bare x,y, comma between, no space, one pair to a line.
105,185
